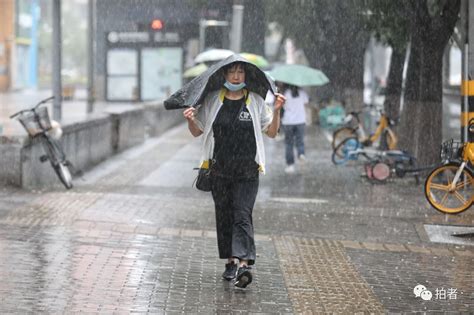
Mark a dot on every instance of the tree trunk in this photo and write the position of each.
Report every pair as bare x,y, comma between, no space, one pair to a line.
394,84
351,72
339,48
421,128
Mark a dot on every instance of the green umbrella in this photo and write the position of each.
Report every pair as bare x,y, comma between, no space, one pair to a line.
195,71
257,60
299,75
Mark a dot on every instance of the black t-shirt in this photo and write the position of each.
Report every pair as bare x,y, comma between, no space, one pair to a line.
235,147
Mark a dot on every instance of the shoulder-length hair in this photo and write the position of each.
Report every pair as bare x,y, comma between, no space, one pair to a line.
293,89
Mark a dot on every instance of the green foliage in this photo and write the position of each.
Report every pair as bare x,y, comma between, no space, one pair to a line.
394,22
435,7
297,18
388,21
330,32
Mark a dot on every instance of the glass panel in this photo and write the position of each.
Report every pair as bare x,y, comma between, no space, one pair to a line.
20,80
162,70
24,19
122,88
122,61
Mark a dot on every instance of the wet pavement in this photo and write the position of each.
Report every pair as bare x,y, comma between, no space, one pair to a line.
134,236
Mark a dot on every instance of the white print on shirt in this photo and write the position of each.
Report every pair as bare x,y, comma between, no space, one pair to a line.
245,116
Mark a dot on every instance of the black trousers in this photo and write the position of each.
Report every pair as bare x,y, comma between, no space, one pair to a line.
234,200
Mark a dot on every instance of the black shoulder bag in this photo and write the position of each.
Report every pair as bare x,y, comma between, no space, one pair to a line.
203,180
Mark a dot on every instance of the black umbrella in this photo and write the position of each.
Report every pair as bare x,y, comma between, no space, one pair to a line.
194,92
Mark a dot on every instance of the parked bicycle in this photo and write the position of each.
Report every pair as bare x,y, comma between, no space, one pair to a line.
37,123
350,149
383,135
449,187
379,165
393,163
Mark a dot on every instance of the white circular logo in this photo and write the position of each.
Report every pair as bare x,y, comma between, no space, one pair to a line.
113,37
426,295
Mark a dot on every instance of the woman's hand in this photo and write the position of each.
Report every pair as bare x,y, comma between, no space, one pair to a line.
189,113
275,124
280,100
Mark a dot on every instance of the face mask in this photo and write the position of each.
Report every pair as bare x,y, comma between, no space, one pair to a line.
234,87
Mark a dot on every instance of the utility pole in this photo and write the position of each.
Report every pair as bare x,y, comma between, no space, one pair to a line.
56,52
467,83
236,29
33,53
90,56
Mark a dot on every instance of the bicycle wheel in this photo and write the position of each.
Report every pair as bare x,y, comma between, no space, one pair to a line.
58,160
343,152
441,197
381,171
64,174
341,134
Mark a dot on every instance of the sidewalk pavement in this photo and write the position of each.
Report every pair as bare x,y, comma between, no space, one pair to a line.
134,236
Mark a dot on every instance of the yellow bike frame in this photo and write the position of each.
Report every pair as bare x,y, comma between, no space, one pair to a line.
467,157
449,187
384,125
468,152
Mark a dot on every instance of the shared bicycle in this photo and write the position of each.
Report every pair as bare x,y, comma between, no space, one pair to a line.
379,165
449,187
354,128
39,126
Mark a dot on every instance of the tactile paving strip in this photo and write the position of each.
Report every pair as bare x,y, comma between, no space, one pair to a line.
319,278
394,276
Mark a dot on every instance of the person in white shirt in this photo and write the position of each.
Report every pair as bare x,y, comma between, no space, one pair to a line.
293,123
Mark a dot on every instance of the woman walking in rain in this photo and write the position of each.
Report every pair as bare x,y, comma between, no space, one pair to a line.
232,121
293,122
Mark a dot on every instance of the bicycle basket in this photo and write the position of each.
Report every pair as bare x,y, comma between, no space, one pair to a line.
451,150
35,125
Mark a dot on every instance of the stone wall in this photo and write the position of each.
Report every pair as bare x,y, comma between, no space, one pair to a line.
10,163
85,143
158,119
